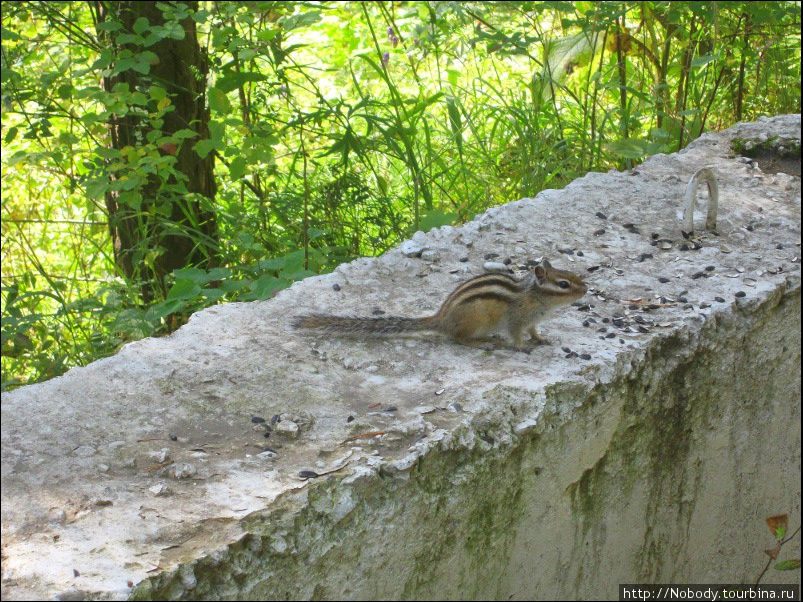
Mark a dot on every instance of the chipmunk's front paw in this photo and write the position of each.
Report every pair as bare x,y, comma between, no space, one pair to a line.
537,339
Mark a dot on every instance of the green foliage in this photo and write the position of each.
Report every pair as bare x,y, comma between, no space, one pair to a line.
337,129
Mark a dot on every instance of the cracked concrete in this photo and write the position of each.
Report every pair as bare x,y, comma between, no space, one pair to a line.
646,444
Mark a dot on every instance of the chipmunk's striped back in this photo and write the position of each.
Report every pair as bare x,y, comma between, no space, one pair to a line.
500,287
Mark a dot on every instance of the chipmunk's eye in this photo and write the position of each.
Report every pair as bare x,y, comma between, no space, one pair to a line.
563,284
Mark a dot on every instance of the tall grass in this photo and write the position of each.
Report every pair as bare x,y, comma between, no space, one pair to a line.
341,128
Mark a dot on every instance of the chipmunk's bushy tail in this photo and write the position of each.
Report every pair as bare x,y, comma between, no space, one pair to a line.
356,325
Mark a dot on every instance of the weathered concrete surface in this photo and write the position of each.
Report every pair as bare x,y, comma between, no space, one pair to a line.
500,475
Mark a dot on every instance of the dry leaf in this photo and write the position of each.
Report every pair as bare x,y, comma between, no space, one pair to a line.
778,525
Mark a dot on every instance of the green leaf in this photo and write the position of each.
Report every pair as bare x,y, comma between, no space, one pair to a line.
11,134
266,35
456,122
699,61
217,129
131,198
233,80
129,38
171,29
64,91
83,305
184,134
200,276
264,286
204,147
17,157
629,149
138,98
294,261
300,20
8,36
96,189
153,38
788,565
382,183
213,294
110,26
127,183
232,286
161,310
197,275
435,219
218,274
200,16
140,25
149,57
120,88
274,263
184,288
298,275
237,168
140,65
218,101
123,64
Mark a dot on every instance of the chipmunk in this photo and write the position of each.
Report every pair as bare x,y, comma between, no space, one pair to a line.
482,306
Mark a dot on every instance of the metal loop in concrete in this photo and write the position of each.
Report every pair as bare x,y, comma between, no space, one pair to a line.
706,174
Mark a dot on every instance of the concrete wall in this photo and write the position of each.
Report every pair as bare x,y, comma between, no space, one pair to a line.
652,455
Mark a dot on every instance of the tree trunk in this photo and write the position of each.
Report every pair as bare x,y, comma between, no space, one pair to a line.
172,224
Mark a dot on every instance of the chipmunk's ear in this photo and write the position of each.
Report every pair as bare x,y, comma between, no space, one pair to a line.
540,271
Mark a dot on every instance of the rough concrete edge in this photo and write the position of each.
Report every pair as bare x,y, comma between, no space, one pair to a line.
282,535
